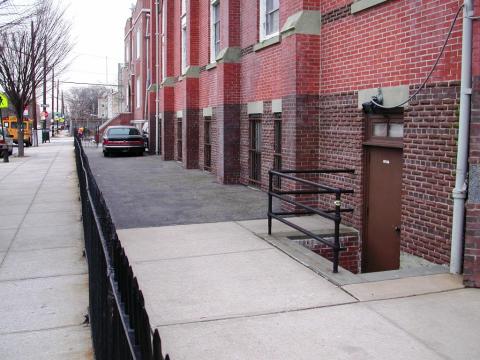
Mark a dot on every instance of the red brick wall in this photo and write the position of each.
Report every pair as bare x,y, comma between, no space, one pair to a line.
390,44
431,125
349,259
342,131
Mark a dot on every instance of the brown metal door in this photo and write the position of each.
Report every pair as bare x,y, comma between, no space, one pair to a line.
382,245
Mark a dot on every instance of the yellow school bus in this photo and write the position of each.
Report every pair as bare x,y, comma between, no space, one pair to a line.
11,125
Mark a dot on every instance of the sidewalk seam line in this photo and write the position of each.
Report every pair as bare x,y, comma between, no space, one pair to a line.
43,277
44,329
200,256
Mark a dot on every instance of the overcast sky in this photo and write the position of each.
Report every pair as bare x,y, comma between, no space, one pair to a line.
97,31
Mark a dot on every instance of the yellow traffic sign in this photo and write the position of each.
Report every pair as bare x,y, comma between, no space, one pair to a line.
3,101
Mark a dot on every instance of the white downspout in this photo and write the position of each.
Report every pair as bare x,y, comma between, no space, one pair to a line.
148,80
460,190
157,78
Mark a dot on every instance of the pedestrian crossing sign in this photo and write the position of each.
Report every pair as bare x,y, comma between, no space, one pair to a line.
3,101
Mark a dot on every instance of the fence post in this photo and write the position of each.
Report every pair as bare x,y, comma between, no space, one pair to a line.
270,190
157,346
338,219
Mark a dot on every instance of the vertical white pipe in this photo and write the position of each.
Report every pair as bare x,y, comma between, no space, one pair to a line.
147,61
459,192
157,77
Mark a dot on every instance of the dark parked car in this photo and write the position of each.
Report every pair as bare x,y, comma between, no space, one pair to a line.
6,141
123,139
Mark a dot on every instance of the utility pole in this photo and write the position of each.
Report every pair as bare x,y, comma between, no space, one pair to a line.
53,102
44,122
44,81
63,112
34,91
58,95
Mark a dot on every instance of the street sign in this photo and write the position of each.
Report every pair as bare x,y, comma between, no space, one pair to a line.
3,101
44,105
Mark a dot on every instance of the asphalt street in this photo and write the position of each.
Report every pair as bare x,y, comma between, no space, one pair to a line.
146,191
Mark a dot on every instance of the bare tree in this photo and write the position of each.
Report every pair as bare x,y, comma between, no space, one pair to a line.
21,56
83,101
12,14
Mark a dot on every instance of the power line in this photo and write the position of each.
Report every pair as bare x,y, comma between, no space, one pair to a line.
86,83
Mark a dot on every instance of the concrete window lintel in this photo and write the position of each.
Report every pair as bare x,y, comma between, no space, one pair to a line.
361,5
391,95
276,106
255,107
207,112
303,22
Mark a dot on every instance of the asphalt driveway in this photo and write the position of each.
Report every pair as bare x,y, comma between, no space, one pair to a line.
146,191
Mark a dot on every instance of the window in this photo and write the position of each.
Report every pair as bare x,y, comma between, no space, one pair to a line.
164,40
138,93
269,18
214,31
139,43
123,131
179,139
385,128
207,146
255,152
127,53
184,43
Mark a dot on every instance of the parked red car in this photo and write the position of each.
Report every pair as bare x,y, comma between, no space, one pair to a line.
122,139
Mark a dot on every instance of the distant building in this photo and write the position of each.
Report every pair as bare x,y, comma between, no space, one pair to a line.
109,105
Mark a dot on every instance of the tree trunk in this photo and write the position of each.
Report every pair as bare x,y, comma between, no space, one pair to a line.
20,133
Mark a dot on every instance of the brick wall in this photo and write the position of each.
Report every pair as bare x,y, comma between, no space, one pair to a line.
390,44
342,127
431,125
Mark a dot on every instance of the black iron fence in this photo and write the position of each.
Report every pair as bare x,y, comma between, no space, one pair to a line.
313,188
119,322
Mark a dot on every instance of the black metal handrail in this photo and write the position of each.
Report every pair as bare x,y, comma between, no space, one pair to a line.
316,189
119,321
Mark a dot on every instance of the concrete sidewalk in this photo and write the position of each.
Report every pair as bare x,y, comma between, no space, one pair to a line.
43,276
218,291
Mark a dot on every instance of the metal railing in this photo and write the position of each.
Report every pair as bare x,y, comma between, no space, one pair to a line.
314,188
119,322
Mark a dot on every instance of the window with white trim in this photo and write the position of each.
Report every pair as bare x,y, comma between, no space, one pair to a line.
184,41
214,30
164,40
269,18
138,93
139,42
127,53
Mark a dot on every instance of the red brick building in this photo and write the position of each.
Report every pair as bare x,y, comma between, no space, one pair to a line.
136,74
247,86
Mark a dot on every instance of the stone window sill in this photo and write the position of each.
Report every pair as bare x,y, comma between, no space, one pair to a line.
361,5
211,66
266,43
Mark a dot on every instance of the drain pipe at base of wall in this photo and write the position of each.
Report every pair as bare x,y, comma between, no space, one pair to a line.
460,191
